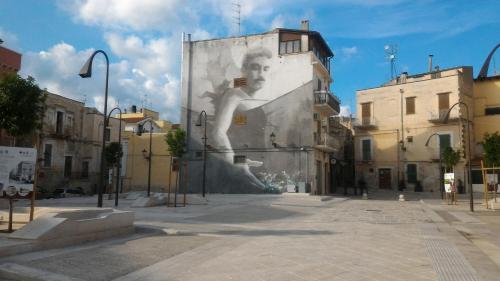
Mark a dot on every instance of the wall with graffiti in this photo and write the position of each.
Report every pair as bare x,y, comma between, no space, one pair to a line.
259,114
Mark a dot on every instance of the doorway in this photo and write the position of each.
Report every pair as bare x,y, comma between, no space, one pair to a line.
384,178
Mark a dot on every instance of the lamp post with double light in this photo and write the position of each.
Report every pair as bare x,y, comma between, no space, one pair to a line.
86,72
446,118
203,114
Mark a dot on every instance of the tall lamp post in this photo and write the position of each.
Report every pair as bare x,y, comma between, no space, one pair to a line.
150,151
446,118
203,115
120,143
86,72
440,164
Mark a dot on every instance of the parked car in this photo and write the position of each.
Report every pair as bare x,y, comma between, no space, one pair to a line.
68,192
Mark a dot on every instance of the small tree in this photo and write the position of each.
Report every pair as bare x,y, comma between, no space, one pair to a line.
491,146
176,140
113,154
450,157
22,105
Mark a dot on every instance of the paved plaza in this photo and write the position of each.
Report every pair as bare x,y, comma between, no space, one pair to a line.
284,237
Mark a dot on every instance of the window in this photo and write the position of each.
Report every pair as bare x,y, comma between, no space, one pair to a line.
289,47
444,141
240,159
492,111
410,105
411,173
366,146
409,139
68,163
366,113
85,169
319,85
444,104
59,123
240,82
47,155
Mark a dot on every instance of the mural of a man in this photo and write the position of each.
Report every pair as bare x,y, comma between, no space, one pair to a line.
255,69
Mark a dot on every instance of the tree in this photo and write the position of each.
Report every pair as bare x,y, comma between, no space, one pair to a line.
450,157
176,140
113,154
491,147
22,105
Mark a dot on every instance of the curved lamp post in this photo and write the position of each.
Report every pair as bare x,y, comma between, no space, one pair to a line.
446,118
440,164
86,72
150,151
120,143
203,115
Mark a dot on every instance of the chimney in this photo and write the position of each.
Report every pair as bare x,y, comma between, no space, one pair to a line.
304,25
436,68
430,63
404,76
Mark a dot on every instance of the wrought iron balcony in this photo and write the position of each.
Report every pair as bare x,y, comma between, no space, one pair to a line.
366,123
326,99
327,142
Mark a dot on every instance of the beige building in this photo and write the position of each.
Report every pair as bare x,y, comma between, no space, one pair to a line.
71,143
396,119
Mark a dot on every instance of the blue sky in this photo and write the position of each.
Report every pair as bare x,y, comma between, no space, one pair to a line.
143,37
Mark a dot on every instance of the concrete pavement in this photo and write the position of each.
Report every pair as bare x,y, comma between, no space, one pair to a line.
285,237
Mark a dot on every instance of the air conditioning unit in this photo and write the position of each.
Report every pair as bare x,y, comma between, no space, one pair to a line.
316,117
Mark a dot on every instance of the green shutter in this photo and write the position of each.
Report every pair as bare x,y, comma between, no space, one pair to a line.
411,173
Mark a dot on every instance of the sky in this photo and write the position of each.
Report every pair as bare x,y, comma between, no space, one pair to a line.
143,40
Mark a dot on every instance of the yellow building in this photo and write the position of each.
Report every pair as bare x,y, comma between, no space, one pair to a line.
136,148
395,121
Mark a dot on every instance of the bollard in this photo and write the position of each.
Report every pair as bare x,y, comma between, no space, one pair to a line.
401,197
365,196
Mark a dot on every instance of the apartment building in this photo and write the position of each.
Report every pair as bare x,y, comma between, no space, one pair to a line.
265,103
71,143
397,119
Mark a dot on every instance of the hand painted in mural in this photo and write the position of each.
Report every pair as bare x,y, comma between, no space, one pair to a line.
255,68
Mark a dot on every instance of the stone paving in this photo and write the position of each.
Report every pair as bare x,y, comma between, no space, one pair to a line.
248,237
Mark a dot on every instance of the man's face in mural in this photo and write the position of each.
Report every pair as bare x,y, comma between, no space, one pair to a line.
256,73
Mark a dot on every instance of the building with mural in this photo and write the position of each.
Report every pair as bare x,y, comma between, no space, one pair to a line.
268,105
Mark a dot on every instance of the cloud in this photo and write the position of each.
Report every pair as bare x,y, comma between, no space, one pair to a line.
130,78
10,40
345,111
348,52
278,22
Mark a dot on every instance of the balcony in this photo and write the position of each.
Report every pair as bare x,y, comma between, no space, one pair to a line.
327,102
438,117
327,143
366,123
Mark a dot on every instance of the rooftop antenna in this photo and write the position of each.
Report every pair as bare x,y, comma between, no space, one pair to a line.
236,8
391,50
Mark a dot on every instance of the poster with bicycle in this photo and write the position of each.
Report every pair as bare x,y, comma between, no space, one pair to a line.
17,171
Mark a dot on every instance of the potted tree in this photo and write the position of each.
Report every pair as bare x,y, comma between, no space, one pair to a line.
176,141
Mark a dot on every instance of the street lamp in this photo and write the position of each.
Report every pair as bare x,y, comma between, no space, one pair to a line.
120,143
440,164
446,118
203,115
139,132
86,72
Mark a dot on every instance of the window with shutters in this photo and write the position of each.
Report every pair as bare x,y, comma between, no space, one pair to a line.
444,104
444,142
411,173
366,149
240,82
410,105
239,159
289,47
47,155
366,113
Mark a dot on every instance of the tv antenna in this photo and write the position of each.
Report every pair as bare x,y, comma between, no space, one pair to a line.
391,50
236,9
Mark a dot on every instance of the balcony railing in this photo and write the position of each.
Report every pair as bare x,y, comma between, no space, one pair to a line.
438,117
327,142
326,98
366,123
